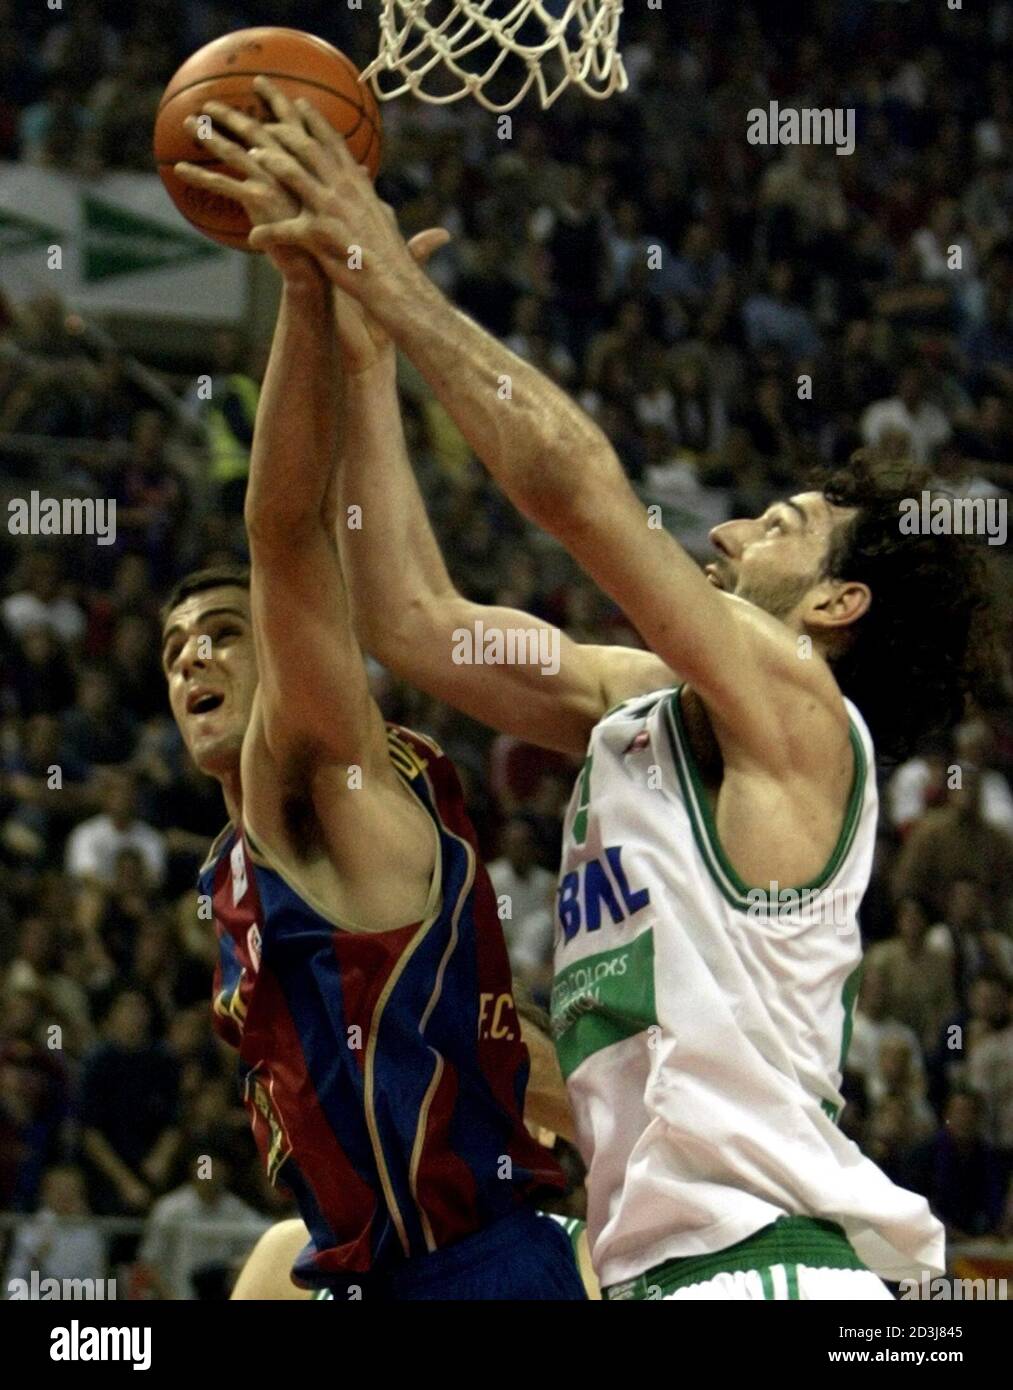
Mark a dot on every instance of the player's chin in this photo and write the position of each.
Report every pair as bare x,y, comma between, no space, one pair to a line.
216,753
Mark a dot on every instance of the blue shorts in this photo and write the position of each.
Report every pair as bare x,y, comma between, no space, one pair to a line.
520,1256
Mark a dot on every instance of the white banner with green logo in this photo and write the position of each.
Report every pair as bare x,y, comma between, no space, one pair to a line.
122,247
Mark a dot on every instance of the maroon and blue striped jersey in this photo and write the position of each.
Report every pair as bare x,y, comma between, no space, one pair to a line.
383,1072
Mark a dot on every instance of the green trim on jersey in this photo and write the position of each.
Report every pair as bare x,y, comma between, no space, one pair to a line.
789,1241
731,886
849,999
603,999
579,830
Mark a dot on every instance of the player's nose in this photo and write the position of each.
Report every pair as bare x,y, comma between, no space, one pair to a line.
190,658
726,539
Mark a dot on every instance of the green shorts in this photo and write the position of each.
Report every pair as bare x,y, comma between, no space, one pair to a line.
790,1242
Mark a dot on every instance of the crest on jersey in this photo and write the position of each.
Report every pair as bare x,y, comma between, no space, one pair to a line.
253,946
239,880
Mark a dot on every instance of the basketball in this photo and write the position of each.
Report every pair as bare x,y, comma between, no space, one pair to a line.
224,70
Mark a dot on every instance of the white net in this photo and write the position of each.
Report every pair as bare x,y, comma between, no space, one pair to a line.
497,50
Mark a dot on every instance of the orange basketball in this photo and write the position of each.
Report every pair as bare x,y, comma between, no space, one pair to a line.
301,66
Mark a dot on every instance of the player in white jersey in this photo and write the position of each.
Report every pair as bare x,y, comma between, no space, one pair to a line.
703,1087
702,1026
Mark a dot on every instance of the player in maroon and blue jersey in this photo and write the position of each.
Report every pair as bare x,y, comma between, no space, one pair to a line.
362,973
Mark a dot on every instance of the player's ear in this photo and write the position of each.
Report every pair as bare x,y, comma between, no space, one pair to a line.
838,603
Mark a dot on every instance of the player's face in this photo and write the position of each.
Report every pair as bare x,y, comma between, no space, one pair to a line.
210,664
776,560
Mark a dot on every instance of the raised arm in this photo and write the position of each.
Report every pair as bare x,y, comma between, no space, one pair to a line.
552,461
312,706
406,608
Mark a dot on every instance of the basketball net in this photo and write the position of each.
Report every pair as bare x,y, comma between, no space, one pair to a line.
426,40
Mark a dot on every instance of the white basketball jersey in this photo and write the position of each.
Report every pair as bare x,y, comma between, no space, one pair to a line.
702,1025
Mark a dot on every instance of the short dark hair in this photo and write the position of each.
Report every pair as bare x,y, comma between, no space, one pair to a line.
927,640
213,577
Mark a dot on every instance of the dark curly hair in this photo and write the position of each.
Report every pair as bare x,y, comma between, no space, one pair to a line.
926,642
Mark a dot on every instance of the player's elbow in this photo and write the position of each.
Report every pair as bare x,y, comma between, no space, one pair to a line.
405,640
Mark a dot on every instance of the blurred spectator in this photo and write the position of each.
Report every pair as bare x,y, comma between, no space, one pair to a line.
134,663
889,1133
986,202
42,677
898,1076
968,935
909,412
989,345
99,729
52,131
921,782
526,888
128,1108
181,1237
226,407
36,969
955,841
33,1101
57,1243
44,789
82,44
773,318
42,602
962,1176
913,787
990,1072
917,975
151,496
123,106
93,846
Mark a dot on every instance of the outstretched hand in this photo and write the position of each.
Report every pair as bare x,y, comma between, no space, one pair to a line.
312,208
343,221
262,197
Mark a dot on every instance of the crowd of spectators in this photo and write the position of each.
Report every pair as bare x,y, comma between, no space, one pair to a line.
681,283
